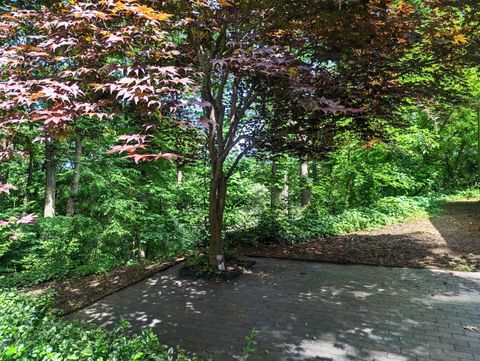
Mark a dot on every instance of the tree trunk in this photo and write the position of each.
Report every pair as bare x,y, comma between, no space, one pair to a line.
71,203
180,174
218,192
275,190
478,142
142,253
31,161
7,146
50,181
305,198
284,194
315,172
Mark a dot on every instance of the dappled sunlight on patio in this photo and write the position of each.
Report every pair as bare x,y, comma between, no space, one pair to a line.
304,311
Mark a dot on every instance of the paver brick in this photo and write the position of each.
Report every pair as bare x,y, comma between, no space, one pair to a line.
307,311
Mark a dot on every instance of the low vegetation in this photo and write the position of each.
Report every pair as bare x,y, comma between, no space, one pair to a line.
29,330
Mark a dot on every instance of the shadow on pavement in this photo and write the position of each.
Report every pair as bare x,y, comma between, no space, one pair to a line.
307,311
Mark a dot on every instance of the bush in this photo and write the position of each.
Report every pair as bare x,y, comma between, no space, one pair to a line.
30,331
61,243
55,248
59,247
470,193
164,236
315,223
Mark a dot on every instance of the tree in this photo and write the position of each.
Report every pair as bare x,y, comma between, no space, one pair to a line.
274,76
70,62
76,173
387,54
232,48
50,181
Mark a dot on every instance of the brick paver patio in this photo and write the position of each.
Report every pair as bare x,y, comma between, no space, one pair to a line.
308,311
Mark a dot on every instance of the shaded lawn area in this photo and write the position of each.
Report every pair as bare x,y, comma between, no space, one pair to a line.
450,240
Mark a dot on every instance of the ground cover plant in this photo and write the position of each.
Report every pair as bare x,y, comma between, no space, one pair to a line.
30,331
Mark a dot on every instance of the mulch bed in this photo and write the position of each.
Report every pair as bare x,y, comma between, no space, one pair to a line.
234,269
449,241
75,293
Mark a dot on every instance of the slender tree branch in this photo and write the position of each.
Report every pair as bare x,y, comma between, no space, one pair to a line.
232,168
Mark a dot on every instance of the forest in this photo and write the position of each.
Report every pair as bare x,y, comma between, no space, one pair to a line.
134,132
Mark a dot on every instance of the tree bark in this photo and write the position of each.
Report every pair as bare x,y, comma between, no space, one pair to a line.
478,142
285,193
180,174
275,190
142,252
50,179
315,172
218,192
223,132
31,161
305,198
72,199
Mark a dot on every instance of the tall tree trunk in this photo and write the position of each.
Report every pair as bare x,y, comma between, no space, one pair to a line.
180,176
180,173
478,143
72,199
305,199
315,172
50,179
31,161
285,192
218,192
275,190
8,146
279,189
142,252
305,188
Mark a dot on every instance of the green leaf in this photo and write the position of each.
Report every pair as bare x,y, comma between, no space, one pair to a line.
87,351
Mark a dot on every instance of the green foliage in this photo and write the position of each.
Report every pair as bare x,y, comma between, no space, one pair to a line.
251,343
125,211
120,208
415,142
165,236
55,248
315,223
199,265
30,331
469,193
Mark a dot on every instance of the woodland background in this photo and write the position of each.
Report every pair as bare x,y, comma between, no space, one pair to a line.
138,131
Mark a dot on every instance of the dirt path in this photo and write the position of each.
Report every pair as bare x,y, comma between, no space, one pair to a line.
449,241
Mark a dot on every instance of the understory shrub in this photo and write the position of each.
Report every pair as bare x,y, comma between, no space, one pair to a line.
315,223
54,248
164,236
470,193
30,331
